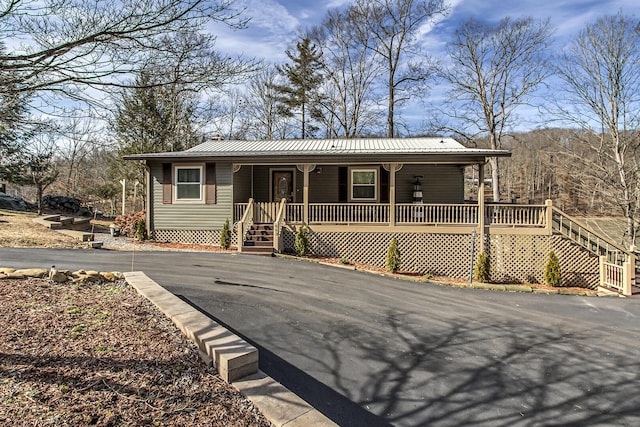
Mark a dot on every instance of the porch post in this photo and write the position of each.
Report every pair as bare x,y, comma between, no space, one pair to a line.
305,194
392,194
481,213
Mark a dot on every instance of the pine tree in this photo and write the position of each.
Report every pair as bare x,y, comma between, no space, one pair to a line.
552,273
304,78
393,256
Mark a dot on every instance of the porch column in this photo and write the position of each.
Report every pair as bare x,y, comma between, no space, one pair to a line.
305,194
481,217
392,194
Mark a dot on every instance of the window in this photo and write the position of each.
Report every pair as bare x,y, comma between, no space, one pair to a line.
189,183
364,184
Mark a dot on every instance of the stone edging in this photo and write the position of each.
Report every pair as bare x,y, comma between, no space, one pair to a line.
61,276
474,285
235,359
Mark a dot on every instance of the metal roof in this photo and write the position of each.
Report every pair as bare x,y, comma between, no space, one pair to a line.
326,148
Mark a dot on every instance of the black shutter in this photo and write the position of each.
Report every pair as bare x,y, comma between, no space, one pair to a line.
384,186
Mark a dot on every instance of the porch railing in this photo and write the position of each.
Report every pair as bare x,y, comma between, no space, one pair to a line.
348,213
405,214
238,211
618,277
436,214
516,215
295,213
266,212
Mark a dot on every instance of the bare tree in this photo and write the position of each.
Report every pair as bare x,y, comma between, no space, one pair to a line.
35,165
494,70
352,68
601,72
78,141
92,42
261,106
391,28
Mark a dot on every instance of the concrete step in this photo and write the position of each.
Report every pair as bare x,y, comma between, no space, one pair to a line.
80,235
257,250
259,243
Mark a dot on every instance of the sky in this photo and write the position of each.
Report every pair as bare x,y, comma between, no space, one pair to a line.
275,25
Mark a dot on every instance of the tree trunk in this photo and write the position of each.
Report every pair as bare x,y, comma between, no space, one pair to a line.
391,112
39,191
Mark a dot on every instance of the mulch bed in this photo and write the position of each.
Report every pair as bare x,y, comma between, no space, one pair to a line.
101,354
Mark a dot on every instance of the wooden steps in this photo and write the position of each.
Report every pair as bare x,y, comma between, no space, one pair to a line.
259,240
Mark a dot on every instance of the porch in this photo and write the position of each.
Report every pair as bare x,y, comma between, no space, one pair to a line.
614,263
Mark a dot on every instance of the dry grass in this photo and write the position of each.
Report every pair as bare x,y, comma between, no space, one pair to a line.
18,230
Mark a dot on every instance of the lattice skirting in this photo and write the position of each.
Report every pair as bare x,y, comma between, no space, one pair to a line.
196,237
437,254
514,258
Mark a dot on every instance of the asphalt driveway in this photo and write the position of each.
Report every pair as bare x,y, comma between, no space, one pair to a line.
369,350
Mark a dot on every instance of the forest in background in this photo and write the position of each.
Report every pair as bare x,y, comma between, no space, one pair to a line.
84,82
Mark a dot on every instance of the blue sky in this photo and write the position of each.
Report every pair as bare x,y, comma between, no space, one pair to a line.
274,23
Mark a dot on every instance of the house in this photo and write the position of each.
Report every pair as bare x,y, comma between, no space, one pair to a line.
354,195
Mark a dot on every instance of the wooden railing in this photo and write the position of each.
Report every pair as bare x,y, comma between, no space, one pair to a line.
266,212
436,214
618,277
238,211
277,225
516,215
348,213
295,213
587,238
245,223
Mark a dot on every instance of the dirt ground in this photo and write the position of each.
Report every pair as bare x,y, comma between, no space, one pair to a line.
102,355
99,354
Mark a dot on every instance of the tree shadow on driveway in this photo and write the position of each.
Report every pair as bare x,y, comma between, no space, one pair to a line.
456,371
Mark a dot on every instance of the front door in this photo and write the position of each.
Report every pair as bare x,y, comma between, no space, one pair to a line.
282,185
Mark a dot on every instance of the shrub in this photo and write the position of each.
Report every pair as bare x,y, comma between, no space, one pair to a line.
482,269
345,261
302,241
128,224
393,256
141,230
552,273
225,236
428,276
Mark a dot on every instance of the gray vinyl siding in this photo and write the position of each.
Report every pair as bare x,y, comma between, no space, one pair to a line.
242,185
323,186
441,183
196,216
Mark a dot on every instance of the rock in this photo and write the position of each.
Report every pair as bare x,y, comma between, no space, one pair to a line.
39,273
109,277
15,275
86,279
7,270
59,277
13,204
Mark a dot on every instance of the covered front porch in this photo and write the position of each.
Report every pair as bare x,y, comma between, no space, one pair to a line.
389,197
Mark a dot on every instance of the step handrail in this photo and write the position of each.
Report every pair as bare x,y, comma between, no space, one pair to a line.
588,234
277,224
245,223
